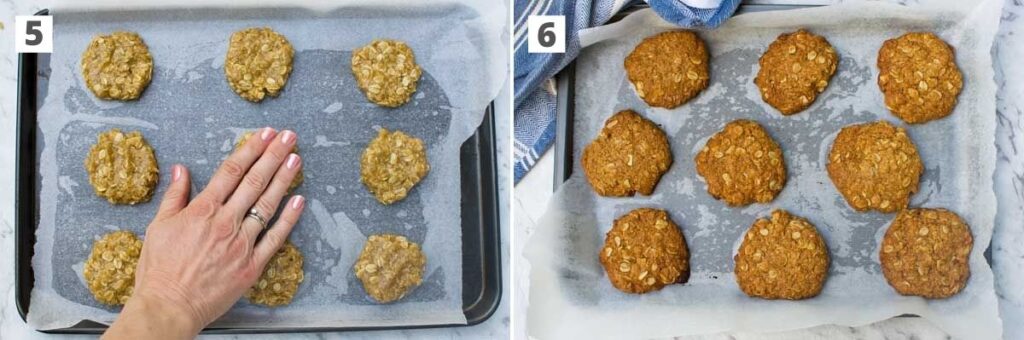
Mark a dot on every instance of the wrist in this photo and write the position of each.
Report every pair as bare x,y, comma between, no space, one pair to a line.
150,316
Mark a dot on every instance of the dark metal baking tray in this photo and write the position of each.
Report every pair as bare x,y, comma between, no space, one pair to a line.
481,246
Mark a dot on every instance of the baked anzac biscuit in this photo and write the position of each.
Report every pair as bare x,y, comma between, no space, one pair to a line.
875,166
122,167
794,70
918,75
117,66
392,164
258,63
295,149
645,251
110,269
629,156
925,252
390,266
782,258
742,164
668,69
280,279
386,71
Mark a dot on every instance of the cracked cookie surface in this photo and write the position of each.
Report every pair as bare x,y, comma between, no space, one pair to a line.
925,252
390,266
280,279
258,63
742,164
295,149
668,69
645,251
794,70
919,77
117,66
629,156
386,71
875,166
392,164
782,258
122,167
110,269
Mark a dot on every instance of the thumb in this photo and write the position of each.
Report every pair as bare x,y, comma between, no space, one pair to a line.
176,197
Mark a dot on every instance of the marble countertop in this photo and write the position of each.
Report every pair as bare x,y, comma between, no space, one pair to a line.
11,325
535,189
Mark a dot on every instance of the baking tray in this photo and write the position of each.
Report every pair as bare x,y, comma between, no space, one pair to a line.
481,259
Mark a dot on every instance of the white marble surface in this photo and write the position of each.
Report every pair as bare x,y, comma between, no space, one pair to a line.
11,324
534,190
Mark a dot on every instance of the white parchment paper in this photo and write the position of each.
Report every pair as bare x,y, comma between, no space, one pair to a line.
191,116
570,294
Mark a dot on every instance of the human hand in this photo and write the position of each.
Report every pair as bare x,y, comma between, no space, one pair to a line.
199,257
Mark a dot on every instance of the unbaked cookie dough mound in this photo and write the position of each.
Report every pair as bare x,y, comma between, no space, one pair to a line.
258,63
644,252
110,269
392,164
668,69
926,252
386,71
280,279
794,70
782,258
117,66
918,75
295,149
742,164
390,266
629,156
875,166
122,167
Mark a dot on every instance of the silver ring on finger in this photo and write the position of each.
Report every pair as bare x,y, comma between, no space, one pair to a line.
253,214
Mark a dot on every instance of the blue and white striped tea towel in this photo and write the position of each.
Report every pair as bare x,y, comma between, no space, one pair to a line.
534,120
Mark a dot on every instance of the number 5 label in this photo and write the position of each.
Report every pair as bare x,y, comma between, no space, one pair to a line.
33,34
546,34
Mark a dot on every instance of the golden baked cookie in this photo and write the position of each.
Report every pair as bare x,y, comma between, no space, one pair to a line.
258,63
742,164
782,258
918,75
794,70
295,149
875,166
117,66
392,164
280,279
390,266
668,69
925,252
122,167
110,269
629,156
386,71
645,251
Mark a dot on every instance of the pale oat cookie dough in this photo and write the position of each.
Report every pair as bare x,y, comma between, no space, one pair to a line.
629,156
389,267
875,166
918,74
668,69
280,279
110,270
645,251
742,164
117,66
794,70
258,63
386,71
122,167
782,258
295,149
925,252
392,164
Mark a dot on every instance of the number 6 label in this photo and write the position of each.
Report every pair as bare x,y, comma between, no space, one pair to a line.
33,34
546,34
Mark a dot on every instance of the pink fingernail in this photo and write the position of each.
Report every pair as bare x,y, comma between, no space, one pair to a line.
176,173
288,137
292,161
267,134
297,202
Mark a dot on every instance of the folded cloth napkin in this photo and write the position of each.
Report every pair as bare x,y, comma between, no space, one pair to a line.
534,120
